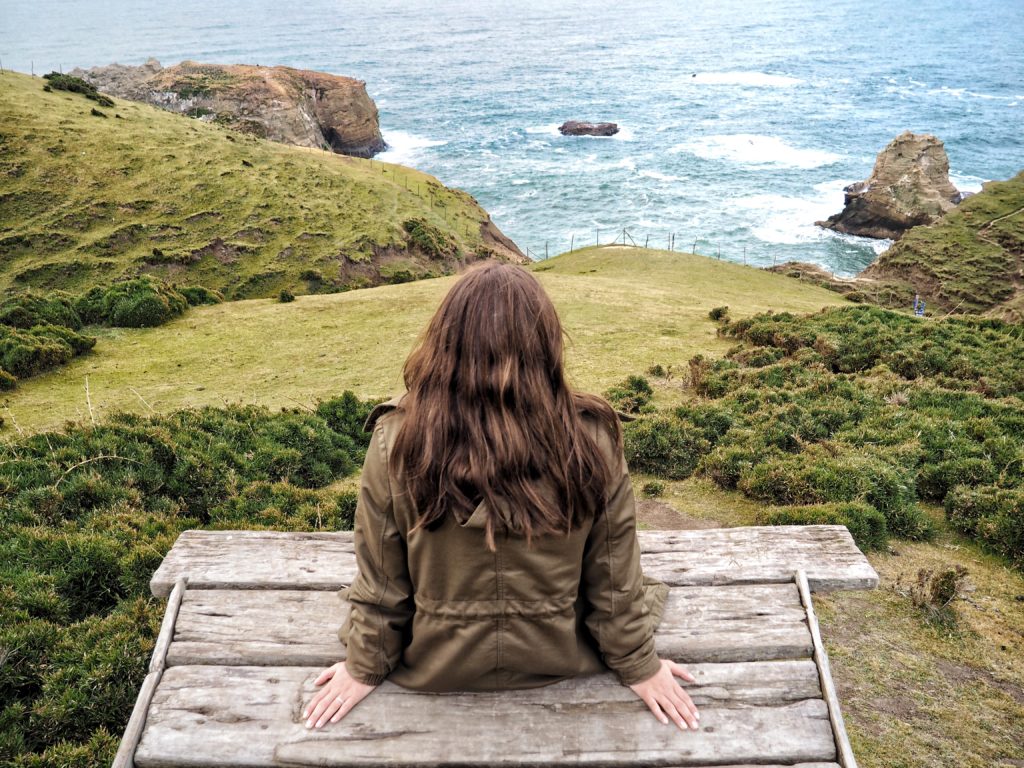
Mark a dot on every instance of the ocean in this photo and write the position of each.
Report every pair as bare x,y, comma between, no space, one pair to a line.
741,122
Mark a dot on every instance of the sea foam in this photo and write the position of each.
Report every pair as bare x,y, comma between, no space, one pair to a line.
404,148
754,150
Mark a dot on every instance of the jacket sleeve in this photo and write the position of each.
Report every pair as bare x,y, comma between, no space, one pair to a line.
380,596
612,580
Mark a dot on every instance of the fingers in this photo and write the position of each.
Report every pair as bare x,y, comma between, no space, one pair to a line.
325,709
679,671
669,708
652,704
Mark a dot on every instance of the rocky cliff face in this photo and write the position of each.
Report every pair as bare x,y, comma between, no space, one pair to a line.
294,106
909,186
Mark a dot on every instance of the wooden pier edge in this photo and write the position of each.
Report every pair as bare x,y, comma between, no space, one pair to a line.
125,757
828,688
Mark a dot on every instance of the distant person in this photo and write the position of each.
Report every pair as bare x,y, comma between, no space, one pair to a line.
504,496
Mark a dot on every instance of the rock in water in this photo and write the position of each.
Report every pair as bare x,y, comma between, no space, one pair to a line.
576,128
294,106
909,186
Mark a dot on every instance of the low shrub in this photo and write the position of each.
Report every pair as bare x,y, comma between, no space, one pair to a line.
87,514
196,295
285,296
994,516
429,239
60,82
141,302
663,446
631,395
719,314
653,489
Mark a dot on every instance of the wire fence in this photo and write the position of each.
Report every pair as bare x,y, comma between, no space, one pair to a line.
669,241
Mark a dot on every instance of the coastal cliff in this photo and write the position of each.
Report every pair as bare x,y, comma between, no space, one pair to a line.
94,193
908,186
293,106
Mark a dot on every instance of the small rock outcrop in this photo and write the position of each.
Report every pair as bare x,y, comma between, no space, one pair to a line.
577,128
909,186
293,106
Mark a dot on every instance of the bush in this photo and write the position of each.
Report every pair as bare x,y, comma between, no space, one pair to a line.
29,309
286,296
197,294
994,516
657,370
865,523
653,489
429,239
88,513
60,82
40,348
141,302
814,478
719,314
662,446
631,395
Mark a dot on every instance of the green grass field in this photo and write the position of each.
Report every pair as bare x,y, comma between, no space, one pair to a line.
623,308
86,198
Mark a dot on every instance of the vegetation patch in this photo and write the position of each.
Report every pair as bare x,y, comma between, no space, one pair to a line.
86,516
857,414
60,82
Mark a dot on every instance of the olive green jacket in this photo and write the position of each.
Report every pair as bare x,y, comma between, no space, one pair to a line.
438,611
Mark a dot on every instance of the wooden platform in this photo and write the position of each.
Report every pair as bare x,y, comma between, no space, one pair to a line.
252,619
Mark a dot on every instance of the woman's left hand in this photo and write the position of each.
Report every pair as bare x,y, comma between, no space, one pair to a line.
337,698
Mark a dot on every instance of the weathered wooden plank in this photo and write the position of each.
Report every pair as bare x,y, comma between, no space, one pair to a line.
299,627
124,758
157,664
285,560
163,640
828,687
758,712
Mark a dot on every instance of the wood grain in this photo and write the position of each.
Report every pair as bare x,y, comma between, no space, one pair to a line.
757,712
299,627
325,561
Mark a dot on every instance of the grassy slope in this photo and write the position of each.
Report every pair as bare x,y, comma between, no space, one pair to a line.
624,309
970,261
86,198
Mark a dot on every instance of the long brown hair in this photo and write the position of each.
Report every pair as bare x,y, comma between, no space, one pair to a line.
490,415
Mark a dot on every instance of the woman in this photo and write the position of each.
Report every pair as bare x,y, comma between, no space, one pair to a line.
495,531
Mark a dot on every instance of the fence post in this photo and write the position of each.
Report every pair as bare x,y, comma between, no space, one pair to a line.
647,240
597,237
694,249
572,242
545,249
744,254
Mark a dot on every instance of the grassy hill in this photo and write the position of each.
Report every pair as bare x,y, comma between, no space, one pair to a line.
624,308
91,193
969,261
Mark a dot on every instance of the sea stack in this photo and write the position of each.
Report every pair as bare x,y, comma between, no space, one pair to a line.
577,128
293,106
909,186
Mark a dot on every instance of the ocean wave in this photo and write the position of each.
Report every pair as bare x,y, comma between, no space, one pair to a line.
659,176
755,150
404,147
551,129
789,220
756,79
965,182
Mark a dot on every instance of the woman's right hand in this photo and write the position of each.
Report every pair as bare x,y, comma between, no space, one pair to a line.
666,699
